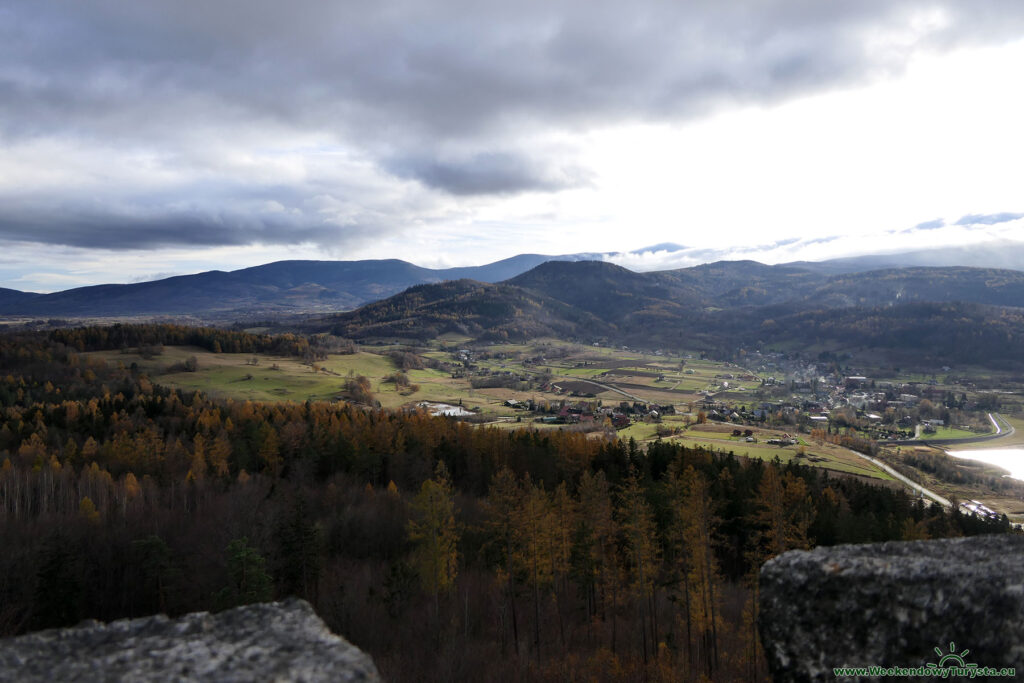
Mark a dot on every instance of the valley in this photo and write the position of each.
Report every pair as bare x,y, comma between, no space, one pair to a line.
560,419
514,342
773,408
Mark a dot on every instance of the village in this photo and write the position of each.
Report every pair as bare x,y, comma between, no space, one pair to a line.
770,390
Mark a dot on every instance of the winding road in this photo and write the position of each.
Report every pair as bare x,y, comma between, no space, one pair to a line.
1000,432
914,486
607,387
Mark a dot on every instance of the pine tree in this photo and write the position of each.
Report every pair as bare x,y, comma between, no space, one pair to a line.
596,562
219,454
435,535
156,563
532,522
248,580
298,544
699,524
636,522
503,499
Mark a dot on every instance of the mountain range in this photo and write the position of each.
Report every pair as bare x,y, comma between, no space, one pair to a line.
954,314
281,287
294,287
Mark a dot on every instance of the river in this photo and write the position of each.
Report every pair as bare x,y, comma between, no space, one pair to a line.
1010,459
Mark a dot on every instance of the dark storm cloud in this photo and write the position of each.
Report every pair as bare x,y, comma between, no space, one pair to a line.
492,173
241,216
445,68
404,83
989,219
79,227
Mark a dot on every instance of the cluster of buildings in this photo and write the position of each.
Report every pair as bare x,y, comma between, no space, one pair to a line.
577,412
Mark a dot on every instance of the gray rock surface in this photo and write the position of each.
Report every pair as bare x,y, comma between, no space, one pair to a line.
893,604
283,641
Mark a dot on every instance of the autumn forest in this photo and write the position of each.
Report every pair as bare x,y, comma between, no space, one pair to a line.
445,550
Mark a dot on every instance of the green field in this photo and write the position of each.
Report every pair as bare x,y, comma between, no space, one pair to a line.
640,431
1015,440
581,372
950,433
832,458
278,378
275,378
225,374
719,437
652,378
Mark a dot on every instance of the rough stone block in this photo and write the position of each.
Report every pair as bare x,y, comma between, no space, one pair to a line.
894,604
283,641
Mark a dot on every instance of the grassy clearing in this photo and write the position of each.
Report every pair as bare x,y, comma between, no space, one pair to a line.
232,375
278,378
720,437
829,458
582,372
453,338
1015,440
640,431
289,379
950,433
692,384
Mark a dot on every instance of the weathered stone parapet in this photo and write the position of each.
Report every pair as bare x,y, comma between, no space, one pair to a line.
894,604
283,641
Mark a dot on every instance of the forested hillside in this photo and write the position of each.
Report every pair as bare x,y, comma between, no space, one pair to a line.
467,307
608,291
943,315
282,287
448,552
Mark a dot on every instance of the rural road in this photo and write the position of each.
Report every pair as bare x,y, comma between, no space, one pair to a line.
942,443
1009,431
608,387
906,480
914,486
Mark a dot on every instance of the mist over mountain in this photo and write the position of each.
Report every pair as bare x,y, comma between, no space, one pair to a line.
994,254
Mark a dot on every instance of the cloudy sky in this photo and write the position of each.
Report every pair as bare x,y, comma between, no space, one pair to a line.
144,139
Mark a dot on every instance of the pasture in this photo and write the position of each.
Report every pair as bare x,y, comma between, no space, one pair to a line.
571,371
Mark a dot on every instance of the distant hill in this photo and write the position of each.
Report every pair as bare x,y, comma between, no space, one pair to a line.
12,297
608,292
466,307
611,292
275,288
952,314
956,314
905,285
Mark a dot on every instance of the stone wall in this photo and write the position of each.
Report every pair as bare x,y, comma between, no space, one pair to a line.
283,641
894,605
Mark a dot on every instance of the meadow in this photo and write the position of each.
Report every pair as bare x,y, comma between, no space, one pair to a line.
621,375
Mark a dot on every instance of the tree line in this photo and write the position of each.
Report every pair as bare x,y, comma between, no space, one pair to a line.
213,339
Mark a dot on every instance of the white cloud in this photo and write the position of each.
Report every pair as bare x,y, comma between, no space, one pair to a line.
458,133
